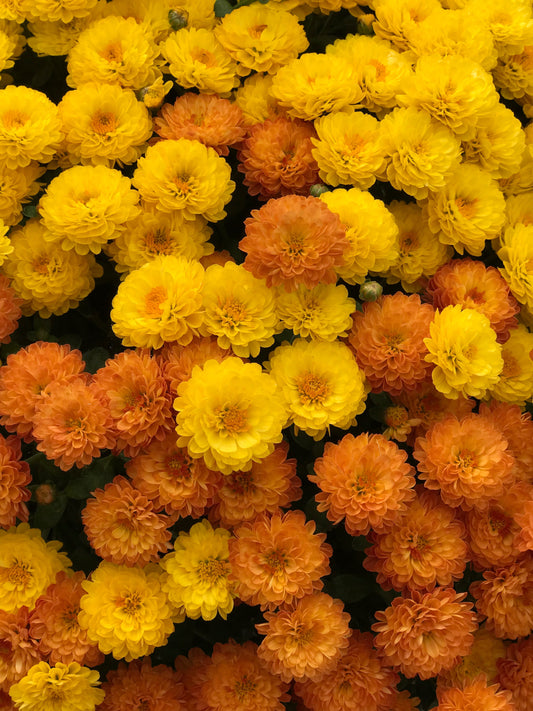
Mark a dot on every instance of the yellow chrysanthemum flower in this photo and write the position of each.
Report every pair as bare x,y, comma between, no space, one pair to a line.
28,565
58,38
197,59
322,313
468,210
17,186
61,688
315,84
86,206
462,345
320,383
422,154
255,99
519,209
522,180
59,10
371,232
153,15
114,50
11,45
397,19
198,571
48,278
261,38
347,149
511,23
517,257
125,611
187,176
513,74
516,380
6,247
229,413
104,123
30,129
239,309
160,302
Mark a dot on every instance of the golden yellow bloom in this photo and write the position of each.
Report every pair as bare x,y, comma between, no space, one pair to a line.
511,24
462,345
522,180
320,383
516,380
261,38
61,687
229,413
198,570
11,44
322,313
152,15
5,243
397,19
517,257
159,302
519,209
256,101
14,10
187,176
58,38
152,96
63,10
513,74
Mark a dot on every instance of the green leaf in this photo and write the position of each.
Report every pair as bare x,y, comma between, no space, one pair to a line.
29,211
48,515
350,588
360,543
95,359
95,476
222,7
312,513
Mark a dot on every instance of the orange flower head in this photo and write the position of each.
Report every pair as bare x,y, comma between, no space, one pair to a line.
171,479
517,428
404,702
139,685
305,642
475,696
25,380
276,158
426,633
474,286
467,460
10,311
278,560
207,118
388,341
360,680
515,672
294,240
20,649
366,480
122,526
523,540
480,661
424,547
54,622
14,477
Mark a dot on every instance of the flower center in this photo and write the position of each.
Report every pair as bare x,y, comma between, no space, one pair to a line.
212,570
204,57
408,243
41,264
381,69
70,617
465,460
511,368
158,241
130,604
153,300
180,465
232,419
113,52
232,312
17,574
103,122
312,388
256,31
364,483
244,687
467,208
393,342
240,482
499,522
295,245
14,119
277,561
183,186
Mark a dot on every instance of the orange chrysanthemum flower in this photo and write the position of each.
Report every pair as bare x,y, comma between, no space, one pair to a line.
475,696
360,680
276,158
122,526
467,460
515,672
523,540
14,477
54,622
294,240
20,650
517,428
173,480
278,560
424,547
481,660
426,633
137,396
213,121
366,480
25,380
388,341
139,685
504,597
475,286
10,311
305,642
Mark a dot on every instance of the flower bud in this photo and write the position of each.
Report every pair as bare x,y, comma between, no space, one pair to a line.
370,291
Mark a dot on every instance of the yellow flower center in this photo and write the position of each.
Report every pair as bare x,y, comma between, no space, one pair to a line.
465,460
312,389
17,574
408,243
158,241
393,342
113,52
103,122
183,185
511,368
364,483
396,416
14,119
153,300
277,561
204,57
381,69
232,312
130,604
212,570
256,31
232,419
467,208
41,264
295,245
244,687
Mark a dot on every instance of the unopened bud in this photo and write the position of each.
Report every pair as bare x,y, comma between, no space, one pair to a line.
178,19
317,189
45,494
370,291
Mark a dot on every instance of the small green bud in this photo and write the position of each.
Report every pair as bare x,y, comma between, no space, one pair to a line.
45,494
317,189
178,19
370,291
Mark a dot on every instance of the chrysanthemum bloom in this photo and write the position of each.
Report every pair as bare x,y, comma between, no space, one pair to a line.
49,279
159,302
260,38
513,75
279,559
58,38
515,670
229,413
198,573
396,20
519,209
517,428
517,254
11,44
187,176
364,480
114,50
14,476
20,649
304,642
255,100
104,124
270,484
9,310
177,362
360,680
516,380
480,661
475,286
316,84
463,347
28,565
466,460
152,16
371,232
171,479
196,59
512,29
323,313
141,685
468,210
17,186
320,383
522,180
238,309
426,633
213,121
276,158
294,240
399,423
474,695
125,611
388,339
64,10
30,129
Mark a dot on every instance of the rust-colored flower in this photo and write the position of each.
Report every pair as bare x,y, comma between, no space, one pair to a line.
14,477
480,661
294,240
364,480
278,560
475,696
515,673
10,311
19,649
517,428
